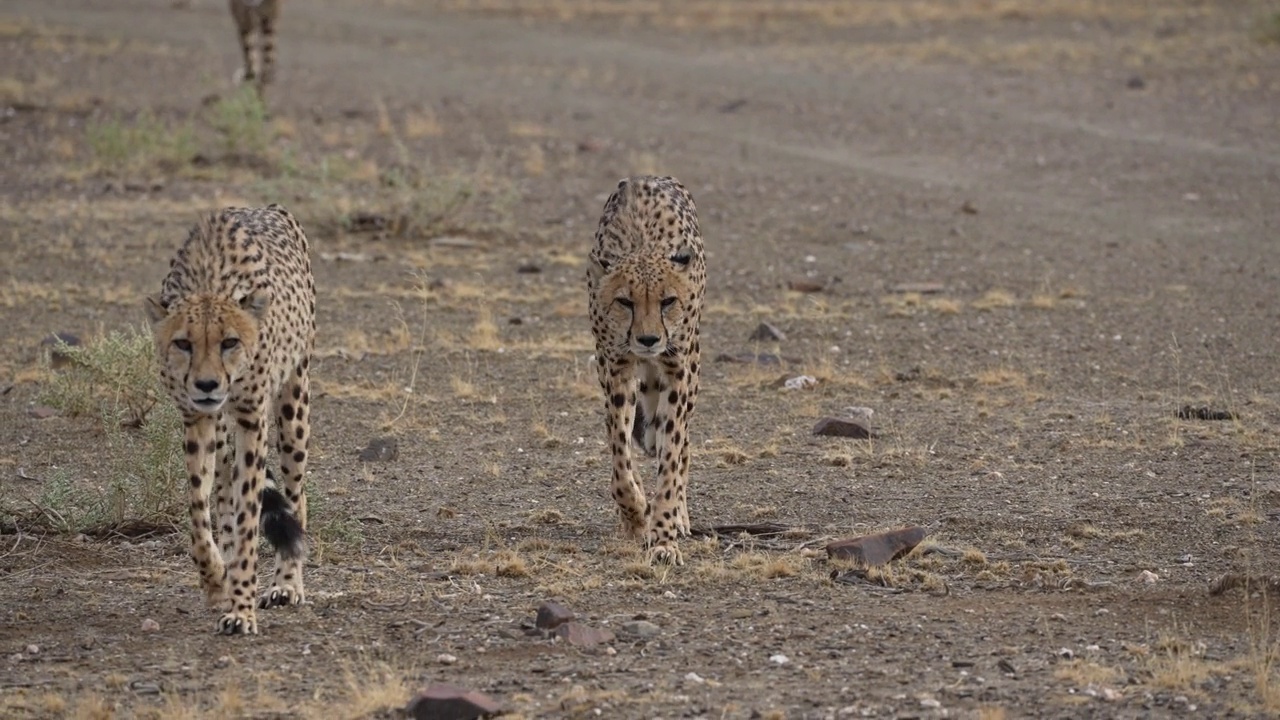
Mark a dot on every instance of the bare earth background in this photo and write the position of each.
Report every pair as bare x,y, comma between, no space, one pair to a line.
1092,187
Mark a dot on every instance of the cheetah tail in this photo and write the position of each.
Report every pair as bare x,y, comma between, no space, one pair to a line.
280,526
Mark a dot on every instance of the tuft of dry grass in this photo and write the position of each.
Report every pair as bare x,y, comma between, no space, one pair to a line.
994,300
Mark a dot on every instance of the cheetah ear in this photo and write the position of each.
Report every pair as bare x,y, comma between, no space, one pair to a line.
256,303
156,309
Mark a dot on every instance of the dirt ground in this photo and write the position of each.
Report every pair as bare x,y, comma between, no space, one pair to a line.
1024,233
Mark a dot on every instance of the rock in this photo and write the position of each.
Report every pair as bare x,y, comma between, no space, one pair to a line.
799,382
1149,577
767,332
449,702
694,678
150,626
779,659
583,636
923,288
552,615
446,659
41,412
805,286
879,548
528,269
842,427
1135,83
733,105
968,208
641,628
859,414
56,344
382,449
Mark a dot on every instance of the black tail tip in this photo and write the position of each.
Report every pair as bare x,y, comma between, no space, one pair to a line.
281,527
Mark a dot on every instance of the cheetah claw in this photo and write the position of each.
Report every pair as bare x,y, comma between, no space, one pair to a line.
238,623
280,597
665,554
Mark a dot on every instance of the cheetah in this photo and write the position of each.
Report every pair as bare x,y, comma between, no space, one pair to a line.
234,324
260,15
646,279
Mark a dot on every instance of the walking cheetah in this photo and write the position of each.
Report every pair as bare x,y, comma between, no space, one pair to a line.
234,324
260,15
646,279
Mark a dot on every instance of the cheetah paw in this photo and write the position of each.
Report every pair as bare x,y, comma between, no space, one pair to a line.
242,622
280,596
667,553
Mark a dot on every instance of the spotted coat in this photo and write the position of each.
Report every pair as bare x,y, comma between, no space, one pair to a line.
645,280
234,324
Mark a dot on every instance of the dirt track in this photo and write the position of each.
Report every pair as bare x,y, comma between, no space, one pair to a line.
1093,188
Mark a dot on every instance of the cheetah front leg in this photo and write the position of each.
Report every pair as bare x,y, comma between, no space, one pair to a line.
226,454
626,488
668,518
294,433
199,447
248,478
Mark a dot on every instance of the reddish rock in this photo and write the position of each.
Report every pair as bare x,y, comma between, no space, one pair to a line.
552,615
842,427
583,636
448,702
879,548
41,412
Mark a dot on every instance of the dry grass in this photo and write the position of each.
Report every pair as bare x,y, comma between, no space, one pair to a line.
994,300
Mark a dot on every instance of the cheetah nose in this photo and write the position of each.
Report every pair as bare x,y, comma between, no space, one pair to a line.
647,340
206,385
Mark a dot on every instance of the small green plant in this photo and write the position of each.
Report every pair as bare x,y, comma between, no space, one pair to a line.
118,145
241,121
327,529
116,382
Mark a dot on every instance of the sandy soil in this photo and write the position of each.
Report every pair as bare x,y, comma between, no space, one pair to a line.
1088,191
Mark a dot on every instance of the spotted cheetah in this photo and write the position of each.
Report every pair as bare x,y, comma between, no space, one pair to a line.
646,279
260,15
234,324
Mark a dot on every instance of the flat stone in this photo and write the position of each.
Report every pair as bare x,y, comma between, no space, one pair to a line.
842,427
641,628
767,332
583,636
747,358
382,449
552,615
449,702
879,548
41,412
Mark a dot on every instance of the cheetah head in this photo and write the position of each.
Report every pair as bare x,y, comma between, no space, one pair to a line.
205,343
649,304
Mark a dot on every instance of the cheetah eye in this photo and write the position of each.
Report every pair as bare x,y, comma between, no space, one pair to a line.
680,258
230,343
182,344
625,302
668,302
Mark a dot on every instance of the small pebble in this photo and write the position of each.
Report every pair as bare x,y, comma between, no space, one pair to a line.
446,659
779,659
150,626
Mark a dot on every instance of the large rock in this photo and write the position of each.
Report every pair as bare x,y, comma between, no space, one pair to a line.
842,427
583,636
877,549
552,615
448,702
